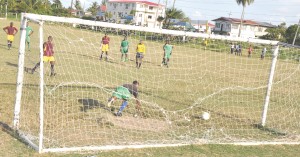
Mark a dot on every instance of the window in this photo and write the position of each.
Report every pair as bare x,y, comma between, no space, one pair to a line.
142,6
140,15
149,17
252,28
150,8
228,26
120,4
127,6
110,4
217,25
139,23
235,26
133,5
260,29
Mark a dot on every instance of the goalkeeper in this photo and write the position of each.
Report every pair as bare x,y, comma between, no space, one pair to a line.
124,92
124,49
167,53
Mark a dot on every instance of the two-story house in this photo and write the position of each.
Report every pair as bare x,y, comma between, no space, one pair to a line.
250,28
144,13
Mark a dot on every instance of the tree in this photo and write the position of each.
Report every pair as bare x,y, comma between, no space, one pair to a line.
243,3
172,14
277,33
108,15
103,2
93,8
57,4
290,34
78,5
160,19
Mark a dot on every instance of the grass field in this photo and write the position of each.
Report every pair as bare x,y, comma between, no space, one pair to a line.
231,88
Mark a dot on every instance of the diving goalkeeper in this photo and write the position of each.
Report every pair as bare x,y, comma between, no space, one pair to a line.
124,92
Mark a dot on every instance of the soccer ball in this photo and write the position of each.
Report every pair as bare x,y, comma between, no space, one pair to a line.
205,116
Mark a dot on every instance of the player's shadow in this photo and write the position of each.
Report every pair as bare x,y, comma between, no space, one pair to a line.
11,64
90,104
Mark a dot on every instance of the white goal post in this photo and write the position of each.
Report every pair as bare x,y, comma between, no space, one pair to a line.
61,96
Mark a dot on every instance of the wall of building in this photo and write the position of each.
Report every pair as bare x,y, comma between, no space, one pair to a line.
145,15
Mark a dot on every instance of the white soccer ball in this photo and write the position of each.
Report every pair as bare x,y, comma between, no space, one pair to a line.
205,116
81,39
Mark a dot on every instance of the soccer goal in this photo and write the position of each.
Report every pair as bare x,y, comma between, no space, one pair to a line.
211,91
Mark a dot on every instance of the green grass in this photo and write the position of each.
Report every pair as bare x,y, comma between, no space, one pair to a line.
74,115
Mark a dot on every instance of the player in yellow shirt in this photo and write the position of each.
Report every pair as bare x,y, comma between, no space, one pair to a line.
140,52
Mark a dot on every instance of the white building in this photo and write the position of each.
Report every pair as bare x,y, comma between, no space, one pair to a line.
250,29
143,13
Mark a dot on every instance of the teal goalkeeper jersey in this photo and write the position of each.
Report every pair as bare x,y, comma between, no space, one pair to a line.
124,44
168,48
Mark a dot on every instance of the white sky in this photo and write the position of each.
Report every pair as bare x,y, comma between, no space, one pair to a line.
273,11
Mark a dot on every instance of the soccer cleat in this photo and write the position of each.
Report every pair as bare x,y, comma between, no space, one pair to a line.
32,71
118,114
52,74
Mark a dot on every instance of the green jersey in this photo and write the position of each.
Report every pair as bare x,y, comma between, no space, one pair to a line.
28,31
124,43
168,48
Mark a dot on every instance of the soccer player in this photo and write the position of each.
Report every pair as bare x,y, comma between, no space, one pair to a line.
124,93
250,49
48,55
232,48
124,49
105,46
29,32
167,53
263,53
140,52
11,31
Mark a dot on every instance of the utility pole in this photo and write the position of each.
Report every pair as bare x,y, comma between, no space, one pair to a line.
156,16
296,33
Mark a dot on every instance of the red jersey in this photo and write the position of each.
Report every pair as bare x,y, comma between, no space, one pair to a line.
48,49
11,30
105,40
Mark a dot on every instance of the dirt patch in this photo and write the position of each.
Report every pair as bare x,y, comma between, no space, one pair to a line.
138,123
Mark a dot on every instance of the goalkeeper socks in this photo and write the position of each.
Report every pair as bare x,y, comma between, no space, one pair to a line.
52,71
140,65
124,104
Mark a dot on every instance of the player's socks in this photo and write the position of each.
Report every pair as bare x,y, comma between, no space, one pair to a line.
124,104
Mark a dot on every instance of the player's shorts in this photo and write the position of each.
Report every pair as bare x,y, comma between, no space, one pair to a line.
28,39
10,37
167,55
104,48
139,55
48,59
124,50
122,93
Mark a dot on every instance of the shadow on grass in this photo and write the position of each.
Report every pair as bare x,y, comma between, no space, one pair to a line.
13,133
91,103
270,130
11,64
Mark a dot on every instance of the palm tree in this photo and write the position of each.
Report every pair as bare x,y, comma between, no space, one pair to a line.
172,14
93,8
243,3
160,19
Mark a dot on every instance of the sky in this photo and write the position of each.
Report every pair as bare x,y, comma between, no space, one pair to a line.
271,11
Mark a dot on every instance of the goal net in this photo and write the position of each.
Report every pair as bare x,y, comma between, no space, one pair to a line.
249,99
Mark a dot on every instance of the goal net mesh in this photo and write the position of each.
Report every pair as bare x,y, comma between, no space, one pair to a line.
199,78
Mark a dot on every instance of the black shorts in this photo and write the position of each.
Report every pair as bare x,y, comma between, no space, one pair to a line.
139,55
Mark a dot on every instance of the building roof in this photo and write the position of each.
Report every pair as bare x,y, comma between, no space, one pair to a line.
136,1
245,22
